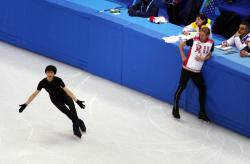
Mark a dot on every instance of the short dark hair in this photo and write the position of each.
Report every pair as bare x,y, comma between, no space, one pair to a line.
206,30
203,17
246,24
50,68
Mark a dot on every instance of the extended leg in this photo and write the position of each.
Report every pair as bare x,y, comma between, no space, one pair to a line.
199,82
70,103
62,107
182,85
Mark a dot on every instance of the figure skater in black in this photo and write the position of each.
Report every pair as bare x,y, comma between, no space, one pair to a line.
61,97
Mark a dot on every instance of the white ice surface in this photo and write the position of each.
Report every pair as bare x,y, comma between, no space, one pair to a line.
123,126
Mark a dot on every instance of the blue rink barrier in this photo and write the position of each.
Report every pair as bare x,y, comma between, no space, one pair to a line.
128,51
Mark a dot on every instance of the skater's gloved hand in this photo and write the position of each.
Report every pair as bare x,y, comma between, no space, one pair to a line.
22,107
80,103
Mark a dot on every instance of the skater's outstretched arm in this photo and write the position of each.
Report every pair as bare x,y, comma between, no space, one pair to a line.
30,99
72,95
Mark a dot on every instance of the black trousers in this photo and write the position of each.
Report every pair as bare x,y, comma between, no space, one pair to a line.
69,110
173,13
198,81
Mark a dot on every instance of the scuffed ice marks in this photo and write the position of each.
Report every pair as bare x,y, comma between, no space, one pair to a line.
123,126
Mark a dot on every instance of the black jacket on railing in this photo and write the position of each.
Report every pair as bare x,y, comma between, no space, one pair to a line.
190,10
142,9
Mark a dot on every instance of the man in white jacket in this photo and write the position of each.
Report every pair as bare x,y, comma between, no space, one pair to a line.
240,37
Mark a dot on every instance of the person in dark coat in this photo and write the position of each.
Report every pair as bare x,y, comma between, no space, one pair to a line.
173,10
144,8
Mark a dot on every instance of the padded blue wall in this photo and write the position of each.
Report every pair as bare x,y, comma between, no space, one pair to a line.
128,51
